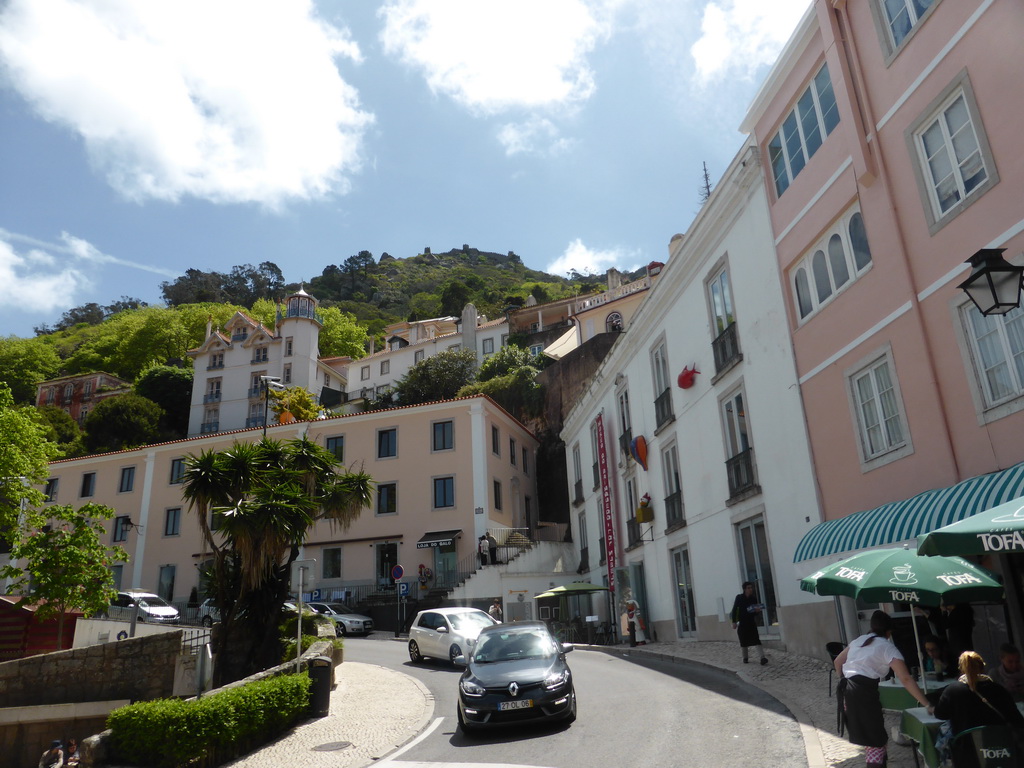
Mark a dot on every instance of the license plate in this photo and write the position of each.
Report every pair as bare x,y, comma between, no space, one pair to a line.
520,704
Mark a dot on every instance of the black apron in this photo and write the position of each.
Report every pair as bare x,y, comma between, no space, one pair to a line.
860,709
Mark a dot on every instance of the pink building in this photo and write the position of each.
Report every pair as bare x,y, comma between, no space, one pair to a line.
889,133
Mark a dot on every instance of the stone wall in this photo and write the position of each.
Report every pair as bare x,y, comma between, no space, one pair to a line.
139,669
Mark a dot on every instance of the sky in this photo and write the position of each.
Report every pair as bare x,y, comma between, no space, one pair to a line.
140,139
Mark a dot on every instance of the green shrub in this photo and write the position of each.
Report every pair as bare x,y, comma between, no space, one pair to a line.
172,732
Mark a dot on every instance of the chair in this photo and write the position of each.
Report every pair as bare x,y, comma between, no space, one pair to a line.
833,650
987,746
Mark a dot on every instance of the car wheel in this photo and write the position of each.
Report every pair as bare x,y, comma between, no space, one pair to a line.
207,621
453,652
414,652
340,630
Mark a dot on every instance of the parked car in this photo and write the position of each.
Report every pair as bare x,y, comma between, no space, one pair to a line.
153,609
444,633
346,621
516,673
209,613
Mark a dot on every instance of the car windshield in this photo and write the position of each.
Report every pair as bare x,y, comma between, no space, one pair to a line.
511,646
152,601
478,619
339,608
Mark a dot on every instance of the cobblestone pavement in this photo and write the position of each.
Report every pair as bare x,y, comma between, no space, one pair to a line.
378,710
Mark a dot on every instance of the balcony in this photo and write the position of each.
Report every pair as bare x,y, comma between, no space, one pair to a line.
740,469
214,365
258,360
208,427
577,492
726,348
624,440
211,397
255,392
663,408
254,421
674,516
584,560
632,532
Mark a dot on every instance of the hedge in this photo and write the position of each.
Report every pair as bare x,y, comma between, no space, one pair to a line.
171,732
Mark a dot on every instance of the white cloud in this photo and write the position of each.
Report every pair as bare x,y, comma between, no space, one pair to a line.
738,37
588,261
498,55
536,135
232,101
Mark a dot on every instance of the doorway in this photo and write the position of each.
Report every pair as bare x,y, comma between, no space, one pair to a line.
755,562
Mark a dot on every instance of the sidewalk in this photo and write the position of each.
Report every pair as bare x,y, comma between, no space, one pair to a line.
375,710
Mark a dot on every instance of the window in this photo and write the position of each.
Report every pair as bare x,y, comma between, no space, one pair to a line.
417,356
726,344
327,379
497,494
997,345
336,446
165,582
625,422
512,451
495,441
69,391
454,347
387,498
117,572
673,487
613,323
834,262
488,346
211,420
87,390
88,485
122,524
387,443
259,355
444,436
577,475
385,367
216,360
879,412
364,373
594,452
813,118
444,492
52,486
901,16
177,471
955,165
662,388
50,393
289,346
581,524
526,467
127,482
331,558
287,374
504,339
172,522
739,450
536,349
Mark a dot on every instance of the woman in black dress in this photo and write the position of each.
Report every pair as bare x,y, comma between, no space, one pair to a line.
745,609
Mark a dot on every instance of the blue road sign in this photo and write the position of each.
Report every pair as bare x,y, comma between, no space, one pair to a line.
403,588
397,573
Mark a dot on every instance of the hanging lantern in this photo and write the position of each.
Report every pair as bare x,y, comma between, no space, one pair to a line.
994,285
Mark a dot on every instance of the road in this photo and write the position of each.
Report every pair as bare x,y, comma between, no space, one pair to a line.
630,714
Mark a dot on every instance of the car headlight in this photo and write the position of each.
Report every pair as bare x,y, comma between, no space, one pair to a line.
556,679
471,689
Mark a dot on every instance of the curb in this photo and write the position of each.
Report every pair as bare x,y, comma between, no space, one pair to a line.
421,726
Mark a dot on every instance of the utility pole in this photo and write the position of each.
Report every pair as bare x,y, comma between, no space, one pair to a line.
268,383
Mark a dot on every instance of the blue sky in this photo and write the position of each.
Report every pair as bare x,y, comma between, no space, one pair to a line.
139,139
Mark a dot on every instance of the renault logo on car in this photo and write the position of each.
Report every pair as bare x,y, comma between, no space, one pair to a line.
513,688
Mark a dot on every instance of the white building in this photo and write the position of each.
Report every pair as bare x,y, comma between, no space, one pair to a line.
728,472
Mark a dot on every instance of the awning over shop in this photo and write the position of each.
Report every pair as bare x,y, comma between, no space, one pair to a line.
437,539
563,345
904,520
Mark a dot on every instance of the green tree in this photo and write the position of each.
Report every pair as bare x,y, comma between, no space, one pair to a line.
506,360
25,453
66,568
454,297
517,392
170,387
62,430
439,377
125,421
341,334
296,401
24,363
266,498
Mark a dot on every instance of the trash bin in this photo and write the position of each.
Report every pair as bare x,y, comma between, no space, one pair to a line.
320,686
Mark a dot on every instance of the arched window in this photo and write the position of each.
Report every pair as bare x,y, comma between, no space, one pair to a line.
821,279
859,241
837,260
613,323
803,293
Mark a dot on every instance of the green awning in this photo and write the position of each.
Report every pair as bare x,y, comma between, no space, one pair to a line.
901,521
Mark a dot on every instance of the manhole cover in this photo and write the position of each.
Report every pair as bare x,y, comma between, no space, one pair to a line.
332,746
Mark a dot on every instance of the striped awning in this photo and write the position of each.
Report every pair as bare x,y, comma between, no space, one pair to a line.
904,520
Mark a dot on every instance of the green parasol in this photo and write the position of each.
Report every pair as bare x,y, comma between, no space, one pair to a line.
1000,529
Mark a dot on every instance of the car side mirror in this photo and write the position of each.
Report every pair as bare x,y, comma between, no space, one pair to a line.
566,647
442,630
459,661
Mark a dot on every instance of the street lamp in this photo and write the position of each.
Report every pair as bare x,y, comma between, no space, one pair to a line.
268,383
994,285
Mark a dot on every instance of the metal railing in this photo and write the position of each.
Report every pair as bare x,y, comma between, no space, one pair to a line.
726,347
208,427
663,407
577,492
632,532
211,397
740,469
674,509
254,421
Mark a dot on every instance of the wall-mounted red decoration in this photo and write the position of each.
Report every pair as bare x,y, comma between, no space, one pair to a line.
686,378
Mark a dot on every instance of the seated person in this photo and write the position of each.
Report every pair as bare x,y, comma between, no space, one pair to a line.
71,755
935,659
974,700
1009,673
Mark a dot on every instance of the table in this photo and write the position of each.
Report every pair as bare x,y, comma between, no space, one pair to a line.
895,696
921,728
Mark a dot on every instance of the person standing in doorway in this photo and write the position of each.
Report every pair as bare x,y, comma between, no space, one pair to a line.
745,610
495,610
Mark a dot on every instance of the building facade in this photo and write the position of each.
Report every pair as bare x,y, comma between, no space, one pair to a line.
78,394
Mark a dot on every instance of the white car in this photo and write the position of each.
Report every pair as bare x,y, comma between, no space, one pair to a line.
444,633
346,621
209,613
152,608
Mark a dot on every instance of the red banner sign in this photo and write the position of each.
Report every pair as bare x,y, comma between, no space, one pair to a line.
606,501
